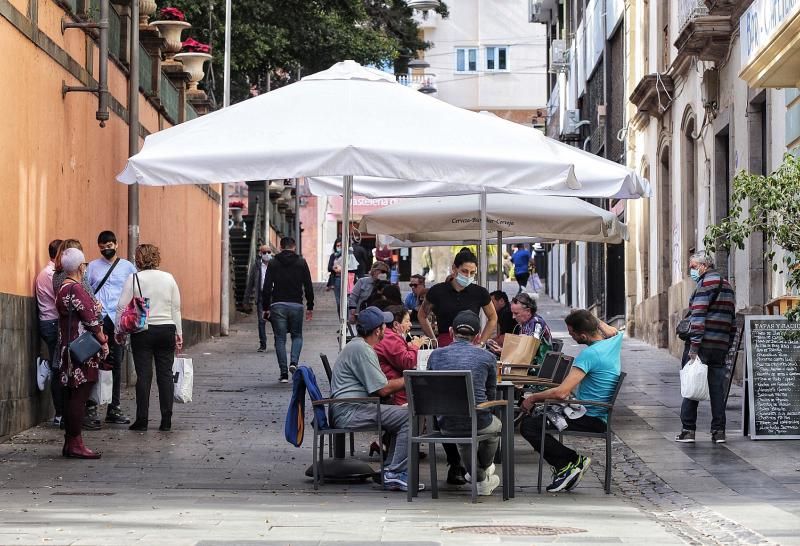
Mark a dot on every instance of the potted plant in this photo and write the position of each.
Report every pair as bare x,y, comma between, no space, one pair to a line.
146,9
193,57
171,22
773,209
235,208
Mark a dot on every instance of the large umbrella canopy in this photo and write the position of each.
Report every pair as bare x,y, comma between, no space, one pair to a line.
351,120
457,218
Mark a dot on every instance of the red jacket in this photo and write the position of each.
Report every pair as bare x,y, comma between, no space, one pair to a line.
395,355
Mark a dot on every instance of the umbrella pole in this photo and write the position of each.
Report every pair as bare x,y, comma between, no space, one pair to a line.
499,260
484,265
347,198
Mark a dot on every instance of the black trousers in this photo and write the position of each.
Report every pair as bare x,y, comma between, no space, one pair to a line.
116,354
557,454
157,343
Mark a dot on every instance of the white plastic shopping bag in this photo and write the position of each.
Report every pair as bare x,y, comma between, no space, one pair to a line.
103,389
694,380
183,377
423,354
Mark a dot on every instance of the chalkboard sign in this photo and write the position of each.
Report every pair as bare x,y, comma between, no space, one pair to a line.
773,368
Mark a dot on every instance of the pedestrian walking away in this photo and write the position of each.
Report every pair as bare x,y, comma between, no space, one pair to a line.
712,310
287,280
255,284
107,275
522,266
77,311
163,336
48,331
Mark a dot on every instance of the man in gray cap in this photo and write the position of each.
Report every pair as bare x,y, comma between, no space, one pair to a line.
357,374
465,354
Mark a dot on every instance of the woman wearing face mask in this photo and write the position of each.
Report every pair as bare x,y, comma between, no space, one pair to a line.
77,311
335,272
458,293
394,353
362,290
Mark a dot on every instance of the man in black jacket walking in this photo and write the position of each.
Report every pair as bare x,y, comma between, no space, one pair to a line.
286,280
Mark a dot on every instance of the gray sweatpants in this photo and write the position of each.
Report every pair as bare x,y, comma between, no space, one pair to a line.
486,448
394,419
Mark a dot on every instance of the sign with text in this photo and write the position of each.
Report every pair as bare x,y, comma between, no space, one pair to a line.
772,347
758,24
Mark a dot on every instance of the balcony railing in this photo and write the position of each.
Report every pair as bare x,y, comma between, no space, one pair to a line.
688,10
420,82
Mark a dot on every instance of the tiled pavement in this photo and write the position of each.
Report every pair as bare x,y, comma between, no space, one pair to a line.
225,475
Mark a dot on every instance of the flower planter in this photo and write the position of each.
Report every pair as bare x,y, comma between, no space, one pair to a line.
146,9
236,212
171,32
193,64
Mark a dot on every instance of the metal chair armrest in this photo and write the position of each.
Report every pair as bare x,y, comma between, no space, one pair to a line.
549,401
492,404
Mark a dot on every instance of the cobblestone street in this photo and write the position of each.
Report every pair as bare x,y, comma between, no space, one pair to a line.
226,475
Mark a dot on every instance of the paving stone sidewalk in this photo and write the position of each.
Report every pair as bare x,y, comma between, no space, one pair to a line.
226,475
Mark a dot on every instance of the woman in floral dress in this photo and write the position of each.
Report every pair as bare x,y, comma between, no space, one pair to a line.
77,378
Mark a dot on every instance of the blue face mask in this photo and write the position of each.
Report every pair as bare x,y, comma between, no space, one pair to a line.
694,274
463,281
338,251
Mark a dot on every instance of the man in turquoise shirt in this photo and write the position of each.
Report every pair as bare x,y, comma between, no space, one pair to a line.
594,376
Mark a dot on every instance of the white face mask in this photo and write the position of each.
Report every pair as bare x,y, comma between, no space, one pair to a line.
382,276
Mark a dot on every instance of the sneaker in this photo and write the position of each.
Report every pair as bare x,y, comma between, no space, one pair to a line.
582,465
115,416
91,424
284,377
261,349
455,475
57,421
488,485
397,481
292,368
42,372
686,436
489,472
564,478
718,436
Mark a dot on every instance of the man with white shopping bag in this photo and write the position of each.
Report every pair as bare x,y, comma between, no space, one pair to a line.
712,310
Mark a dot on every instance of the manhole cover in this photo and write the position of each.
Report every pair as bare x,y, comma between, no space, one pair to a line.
514,530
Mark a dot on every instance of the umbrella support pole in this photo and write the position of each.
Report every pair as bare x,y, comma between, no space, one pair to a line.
499,260
347,199
484,265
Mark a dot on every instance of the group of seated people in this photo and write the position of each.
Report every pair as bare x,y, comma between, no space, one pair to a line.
372,364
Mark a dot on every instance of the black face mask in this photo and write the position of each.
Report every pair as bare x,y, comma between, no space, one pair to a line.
108,253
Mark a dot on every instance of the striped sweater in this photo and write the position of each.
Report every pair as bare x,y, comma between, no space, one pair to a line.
711,324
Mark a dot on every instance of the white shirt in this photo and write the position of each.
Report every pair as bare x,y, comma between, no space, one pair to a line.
263,272
165,298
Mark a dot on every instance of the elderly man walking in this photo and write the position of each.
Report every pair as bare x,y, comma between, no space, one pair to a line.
712,308
255,284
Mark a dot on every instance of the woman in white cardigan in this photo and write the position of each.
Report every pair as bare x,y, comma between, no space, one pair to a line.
161,338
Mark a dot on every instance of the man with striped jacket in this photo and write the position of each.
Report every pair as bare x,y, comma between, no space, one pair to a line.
711,324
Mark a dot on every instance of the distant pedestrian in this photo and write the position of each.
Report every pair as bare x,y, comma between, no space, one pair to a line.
288,279
384,254
364,258
255,284
522,265
712,308
163,336
335,274
364,288
414,298
48,326
77,312
106,276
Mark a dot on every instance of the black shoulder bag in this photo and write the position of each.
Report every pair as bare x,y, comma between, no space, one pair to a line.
108,274
85,346
682,329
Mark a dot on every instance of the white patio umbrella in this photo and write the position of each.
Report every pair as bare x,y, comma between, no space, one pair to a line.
346,121
457,218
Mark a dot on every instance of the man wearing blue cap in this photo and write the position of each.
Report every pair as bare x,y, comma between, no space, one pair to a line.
357,374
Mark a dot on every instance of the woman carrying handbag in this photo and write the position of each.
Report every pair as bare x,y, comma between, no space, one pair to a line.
82,349
157,342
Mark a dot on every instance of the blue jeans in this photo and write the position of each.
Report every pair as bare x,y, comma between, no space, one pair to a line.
716,391
287,319
262,325
48,331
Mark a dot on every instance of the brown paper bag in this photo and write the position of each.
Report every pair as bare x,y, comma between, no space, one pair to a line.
519,349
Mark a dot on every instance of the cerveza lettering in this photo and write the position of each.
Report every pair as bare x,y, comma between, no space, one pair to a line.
475,220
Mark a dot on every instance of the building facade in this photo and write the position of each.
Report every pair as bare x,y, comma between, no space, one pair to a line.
58,178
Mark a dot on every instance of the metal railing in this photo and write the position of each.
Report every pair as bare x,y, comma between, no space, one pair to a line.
689,10
417,81
170,98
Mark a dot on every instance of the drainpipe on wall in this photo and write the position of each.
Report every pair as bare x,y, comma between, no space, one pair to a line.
133,129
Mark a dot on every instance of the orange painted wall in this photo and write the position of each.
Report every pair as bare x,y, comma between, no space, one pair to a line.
57,169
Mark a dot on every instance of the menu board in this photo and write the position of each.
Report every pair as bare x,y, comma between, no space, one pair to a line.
773,368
